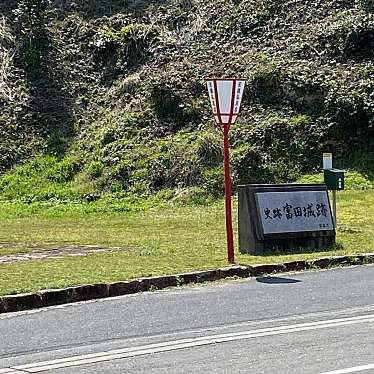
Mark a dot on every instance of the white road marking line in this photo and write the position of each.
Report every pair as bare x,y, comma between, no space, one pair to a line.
185,343
11,371
351,370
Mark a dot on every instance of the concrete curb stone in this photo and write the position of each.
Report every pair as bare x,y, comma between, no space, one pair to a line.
56,296
259,270
123,288
368,258
336,261
234,271
49,297
16,303
90,291
295,265
198,277
340,261
157,282
2,306
186,278
359,260
320,263
207,276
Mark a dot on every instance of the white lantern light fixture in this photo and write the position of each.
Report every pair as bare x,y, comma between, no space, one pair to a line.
225,96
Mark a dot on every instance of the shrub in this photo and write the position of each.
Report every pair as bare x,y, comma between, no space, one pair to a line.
32,17
61,171
213,181
351,39
368,5
359,42
192,196
40,179
124,46
266,84
95,169
120,175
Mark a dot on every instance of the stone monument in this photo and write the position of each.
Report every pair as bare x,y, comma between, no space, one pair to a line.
284,217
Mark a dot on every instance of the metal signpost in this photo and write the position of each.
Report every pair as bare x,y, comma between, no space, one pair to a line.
334,180
327,165
225,97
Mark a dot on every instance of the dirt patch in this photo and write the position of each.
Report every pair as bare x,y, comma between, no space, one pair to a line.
52,253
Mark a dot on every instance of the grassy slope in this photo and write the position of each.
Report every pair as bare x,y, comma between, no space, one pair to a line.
121,90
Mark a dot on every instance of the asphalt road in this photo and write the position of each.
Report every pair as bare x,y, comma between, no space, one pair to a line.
313,322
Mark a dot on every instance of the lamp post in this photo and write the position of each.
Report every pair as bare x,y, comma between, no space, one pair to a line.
225,96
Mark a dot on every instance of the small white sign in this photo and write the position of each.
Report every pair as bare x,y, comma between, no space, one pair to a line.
327,161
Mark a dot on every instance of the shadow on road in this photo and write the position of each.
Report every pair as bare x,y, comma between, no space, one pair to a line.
276,280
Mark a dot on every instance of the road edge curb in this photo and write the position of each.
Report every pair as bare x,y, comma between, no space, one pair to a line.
85,292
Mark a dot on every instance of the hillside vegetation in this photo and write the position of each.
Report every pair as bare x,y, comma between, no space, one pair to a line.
108,97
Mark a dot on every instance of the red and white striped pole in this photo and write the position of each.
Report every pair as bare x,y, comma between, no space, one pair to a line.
225,97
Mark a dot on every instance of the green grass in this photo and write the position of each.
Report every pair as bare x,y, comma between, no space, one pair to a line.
162,240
